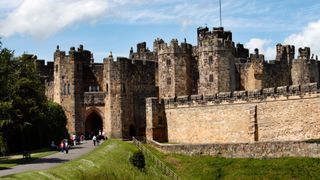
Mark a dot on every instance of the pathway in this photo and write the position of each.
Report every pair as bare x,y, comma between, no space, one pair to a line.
50,161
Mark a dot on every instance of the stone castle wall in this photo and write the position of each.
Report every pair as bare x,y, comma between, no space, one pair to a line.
245,150
275,114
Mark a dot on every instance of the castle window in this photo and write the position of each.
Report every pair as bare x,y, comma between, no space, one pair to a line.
168,81
57,68
98,88
210,60
107,87
211,78
168,62
90,88
64,89
68,88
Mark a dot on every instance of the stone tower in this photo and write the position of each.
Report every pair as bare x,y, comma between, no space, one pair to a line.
174,69
285,56
215,61
68,84
304,69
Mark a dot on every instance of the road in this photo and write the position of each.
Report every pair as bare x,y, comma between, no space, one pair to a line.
50,161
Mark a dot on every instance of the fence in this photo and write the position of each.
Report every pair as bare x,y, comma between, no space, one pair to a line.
164,168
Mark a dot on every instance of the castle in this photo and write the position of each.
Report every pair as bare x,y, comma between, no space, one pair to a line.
212,92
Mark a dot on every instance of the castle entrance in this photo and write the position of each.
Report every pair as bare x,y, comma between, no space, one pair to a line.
93,125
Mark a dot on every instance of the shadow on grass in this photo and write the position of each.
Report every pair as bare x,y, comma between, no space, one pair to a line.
48,160
4,168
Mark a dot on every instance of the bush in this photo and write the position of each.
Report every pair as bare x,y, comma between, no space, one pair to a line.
137,159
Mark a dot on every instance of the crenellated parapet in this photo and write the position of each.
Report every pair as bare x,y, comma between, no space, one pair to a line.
266,94
217,38
142,53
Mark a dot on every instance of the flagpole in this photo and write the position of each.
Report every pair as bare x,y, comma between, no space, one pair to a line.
220,13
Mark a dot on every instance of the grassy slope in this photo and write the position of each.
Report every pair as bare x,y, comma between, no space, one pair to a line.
109,161
206,167
10,161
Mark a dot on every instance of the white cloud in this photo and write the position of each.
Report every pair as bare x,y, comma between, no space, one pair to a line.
43,18
309,37
263,45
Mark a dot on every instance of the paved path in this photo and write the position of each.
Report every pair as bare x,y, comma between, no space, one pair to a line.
50,161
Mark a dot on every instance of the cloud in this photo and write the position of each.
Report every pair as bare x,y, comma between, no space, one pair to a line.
264,46
308,37
43,18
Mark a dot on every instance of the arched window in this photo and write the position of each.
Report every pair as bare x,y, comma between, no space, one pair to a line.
98,88
90,89
57,67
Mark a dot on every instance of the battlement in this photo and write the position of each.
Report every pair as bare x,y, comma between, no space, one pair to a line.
285,52
266,94
174,47
217,38
79,54
304,53
143,52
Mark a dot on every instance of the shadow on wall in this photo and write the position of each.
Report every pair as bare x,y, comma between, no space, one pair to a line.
160,132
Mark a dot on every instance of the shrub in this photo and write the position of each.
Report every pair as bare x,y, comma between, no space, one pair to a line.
137,159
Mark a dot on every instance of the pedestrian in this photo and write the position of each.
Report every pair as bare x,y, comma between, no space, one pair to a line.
62,146
98,141
94,139
66,146
74,139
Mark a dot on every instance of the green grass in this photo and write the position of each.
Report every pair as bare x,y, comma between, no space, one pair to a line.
109,161
207,167
13,160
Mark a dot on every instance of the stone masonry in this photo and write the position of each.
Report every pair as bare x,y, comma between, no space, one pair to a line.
212,92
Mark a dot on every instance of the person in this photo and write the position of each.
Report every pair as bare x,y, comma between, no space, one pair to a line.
81,138
74,139
66,146
53,146
94,139
98,141
62,146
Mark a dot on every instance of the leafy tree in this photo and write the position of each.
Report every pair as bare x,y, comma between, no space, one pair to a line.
27,119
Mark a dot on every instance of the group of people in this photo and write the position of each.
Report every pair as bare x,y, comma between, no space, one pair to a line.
97,138
64,145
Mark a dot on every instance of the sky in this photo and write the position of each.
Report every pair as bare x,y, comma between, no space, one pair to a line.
38,26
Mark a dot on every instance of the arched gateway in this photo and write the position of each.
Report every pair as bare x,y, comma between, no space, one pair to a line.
93,124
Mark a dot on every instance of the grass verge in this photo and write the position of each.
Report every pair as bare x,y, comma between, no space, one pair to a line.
13,160
207,167
109,161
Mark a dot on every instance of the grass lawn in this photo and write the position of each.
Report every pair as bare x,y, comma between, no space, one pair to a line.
109,161
13,160
206,167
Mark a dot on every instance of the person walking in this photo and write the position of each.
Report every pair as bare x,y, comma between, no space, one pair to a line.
66,146
94,139
62,146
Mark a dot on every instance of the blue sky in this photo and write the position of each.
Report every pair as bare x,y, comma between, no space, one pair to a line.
37,26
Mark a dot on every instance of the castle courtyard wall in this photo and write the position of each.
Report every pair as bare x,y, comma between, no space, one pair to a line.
259,117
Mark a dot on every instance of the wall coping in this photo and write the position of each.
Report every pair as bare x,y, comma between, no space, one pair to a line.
266,94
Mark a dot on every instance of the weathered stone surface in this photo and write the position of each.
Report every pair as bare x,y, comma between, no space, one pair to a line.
245,150
212,92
